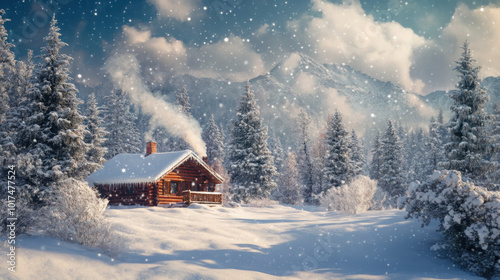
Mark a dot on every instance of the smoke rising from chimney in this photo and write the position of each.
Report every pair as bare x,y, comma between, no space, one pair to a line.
125,74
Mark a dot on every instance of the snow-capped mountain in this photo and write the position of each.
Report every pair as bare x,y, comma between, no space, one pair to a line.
299,82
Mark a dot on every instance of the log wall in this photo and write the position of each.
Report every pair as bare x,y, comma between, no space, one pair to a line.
152,193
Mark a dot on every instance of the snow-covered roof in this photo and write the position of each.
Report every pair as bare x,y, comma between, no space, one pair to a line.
137,168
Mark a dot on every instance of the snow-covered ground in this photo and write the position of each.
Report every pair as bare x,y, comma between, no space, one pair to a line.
245,243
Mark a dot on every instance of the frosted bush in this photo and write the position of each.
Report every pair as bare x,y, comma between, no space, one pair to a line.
76,214
353,198
468,216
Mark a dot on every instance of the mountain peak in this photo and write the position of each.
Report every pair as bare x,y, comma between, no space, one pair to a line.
295,63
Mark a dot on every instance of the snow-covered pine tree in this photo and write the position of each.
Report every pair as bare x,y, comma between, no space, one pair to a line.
289,187
119,121
172,142
318,152
182,100
408,154
277,151
376,162
216,153
434,148
161,137
251,163
305,167
337,167
53,131
95,136
215,143
443,130
402,131
21,82
391,173
468,217
469,143
495,132
415,156
7,68
7,75
357,157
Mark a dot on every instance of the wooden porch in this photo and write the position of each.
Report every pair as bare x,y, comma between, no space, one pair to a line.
189,197
201,197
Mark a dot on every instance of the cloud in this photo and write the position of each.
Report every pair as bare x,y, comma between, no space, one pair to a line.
158,55
343,33
162,48
232,58
478,27
263,29
181,10
434,63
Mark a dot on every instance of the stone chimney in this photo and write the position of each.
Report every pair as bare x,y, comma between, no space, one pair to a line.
150,148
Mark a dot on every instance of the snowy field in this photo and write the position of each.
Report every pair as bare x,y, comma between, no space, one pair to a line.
245,243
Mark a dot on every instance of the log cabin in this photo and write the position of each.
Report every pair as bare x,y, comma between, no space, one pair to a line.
157,178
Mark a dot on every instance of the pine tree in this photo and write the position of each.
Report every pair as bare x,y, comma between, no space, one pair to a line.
357,157
391,180
337,169
495,132
469,144
215,143
415,156
305,167
182,100
289,188
52,137
318,152
161,136
443,131
95,137
7,75
172,142
376,162
119,121
21,82
7,68
251,163
434,147
277,151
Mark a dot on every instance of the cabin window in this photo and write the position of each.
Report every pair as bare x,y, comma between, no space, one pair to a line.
174,187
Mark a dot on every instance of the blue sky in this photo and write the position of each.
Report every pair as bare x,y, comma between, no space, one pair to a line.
412,43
